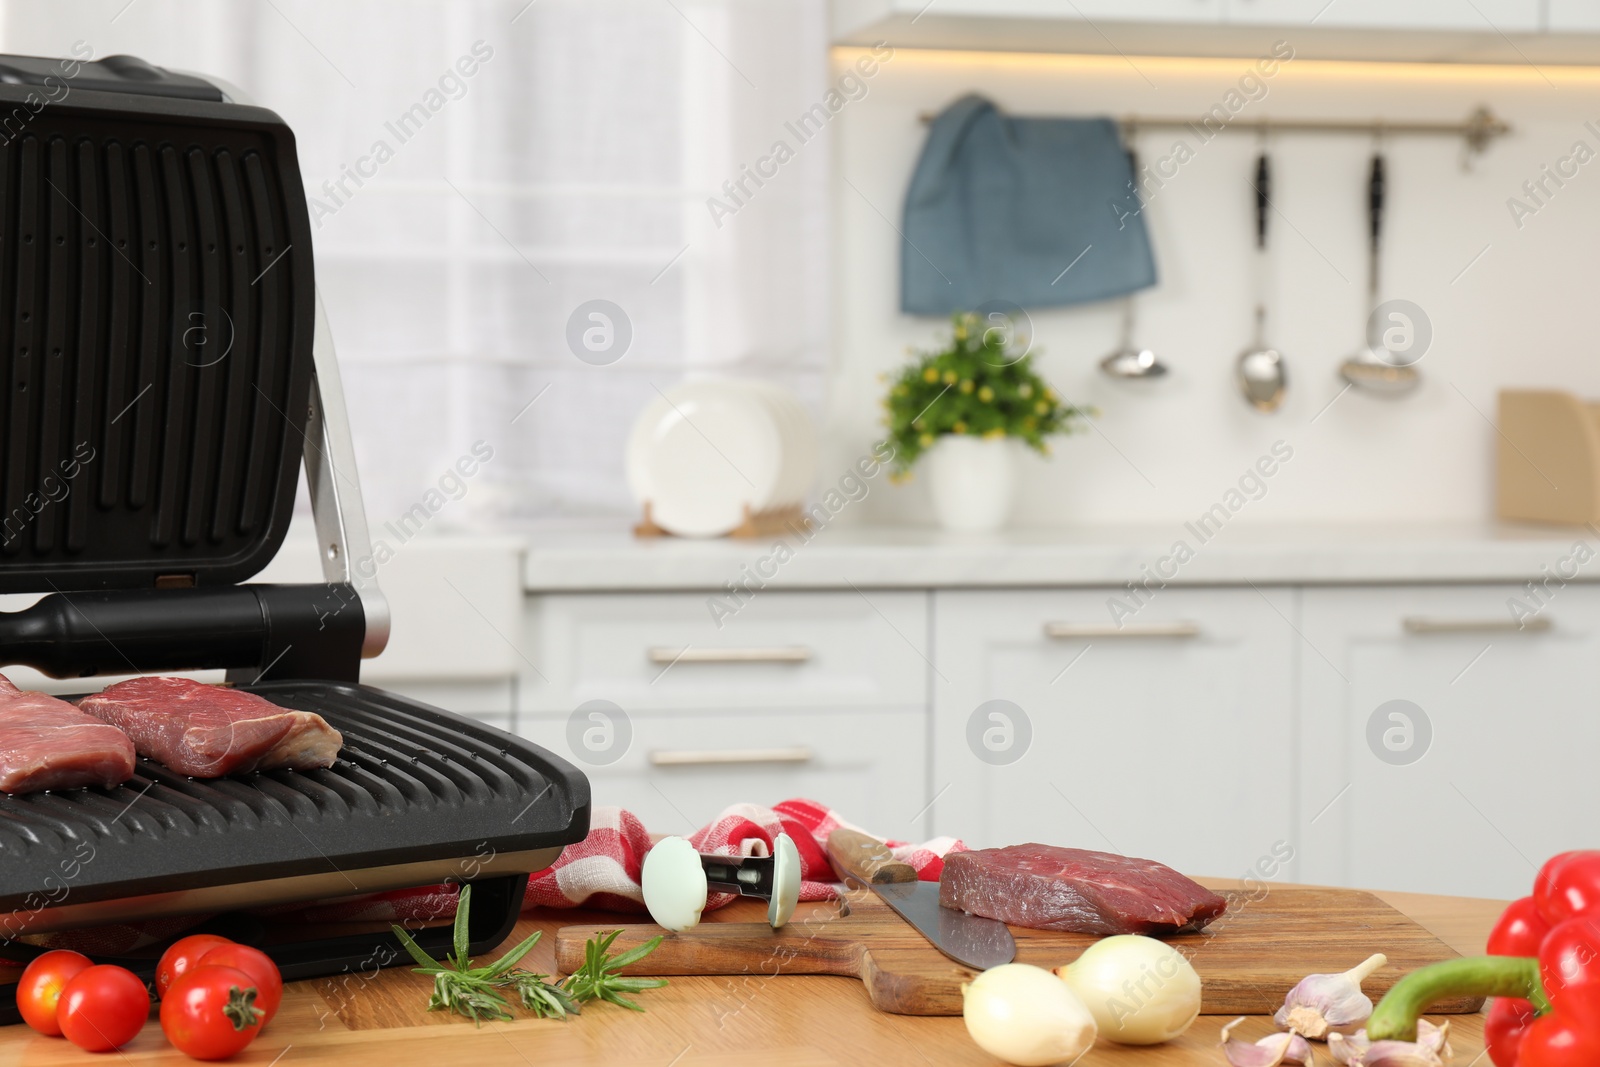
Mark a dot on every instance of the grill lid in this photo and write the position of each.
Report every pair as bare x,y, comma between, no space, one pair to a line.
156,321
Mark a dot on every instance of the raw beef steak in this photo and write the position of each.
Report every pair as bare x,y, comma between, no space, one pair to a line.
207,731
1050,888
47,743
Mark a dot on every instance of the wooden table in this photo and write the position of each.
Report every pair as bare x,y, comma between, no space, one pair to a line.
795,1021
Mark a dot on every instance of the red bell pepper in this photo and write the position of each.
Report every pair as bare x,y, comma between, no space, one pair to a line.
1543,968
1568,886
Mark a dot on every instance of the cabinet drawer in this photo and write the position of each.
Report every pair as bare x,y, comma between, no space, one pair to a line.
677,772
781,650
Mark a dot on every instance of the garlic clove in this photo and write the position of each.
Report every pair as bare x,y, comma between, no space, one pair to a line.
1270,1051
1322,1003
1431,1049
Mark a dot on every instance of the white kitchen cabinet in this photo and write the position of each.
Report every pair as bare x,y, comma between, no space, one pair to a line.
678,771
1169,738
1473,16
1487,767
657,651
1573,16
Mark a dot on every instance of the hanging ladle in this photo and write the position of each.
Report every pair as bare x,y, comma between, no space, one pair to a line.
1366,369
1127,361
1260,371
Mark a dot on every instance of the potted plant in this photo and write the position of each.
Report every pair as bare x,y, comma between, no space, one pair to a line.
967,406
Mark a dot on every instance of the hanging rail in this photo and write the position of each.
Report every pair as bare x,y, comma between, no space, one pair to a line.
1480,127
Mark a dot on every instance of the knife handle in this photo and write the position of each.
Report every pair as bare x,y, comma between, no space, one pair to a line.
866,859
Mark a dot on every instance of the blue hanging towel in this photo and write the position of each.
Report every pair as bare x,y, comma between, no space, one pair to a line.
1000,207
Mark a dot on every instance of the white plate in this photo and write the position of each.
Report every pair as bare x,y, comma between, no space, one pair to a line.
704,452
799,445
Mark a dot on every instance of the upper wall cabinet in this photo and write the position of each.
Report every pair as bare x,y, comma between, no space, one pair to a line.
1479,31
1569,16
1485,16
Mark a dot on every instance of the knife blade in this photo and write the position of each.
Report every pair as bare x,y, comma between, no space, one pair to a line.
971,940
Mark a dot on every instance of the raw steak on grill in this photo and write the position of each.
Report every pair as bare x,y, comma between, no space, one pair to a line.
47,743
207,731
1050,888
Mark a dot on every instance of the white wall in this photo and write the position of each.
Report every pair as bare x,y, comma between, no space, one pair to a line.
1522,315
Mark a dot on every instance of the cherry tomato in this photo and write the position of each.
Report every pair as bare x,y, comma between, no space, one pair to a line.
183,954
210,1013
1557,1041
262,971
1520,931
1503,1030
39,988
1568,885
102,1008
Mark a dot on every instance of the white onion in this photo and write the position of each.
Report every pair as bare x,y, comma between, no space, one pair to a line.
1026,1016
1140,991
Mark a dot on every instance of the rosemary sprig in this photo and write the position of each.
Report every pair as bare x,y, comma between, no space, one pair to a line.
475,992
598,979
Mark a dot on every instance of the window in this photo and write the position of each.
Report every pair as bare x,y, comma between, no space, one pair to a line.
478,169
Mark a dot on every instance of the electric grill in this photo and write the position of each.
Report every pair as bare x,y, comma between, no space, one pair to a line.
166,369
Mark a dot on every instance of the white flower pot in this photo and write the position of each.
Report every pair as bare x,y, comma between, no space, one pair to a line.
973,481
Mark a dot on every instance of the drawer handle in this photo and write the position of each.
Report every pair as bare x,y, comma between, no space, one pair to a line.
774,654
1537,625
1096,630
705,757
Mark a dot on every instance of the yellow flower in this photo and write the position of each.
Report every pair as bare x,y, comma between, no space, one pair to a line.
986,394
966,385
961,332
1025,390
959,427
990,435
1049,394
1041,408
925,440
931,374
950,377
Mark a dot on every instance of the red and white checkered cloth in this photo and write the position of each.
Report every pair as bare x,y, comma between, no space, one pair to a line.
600,872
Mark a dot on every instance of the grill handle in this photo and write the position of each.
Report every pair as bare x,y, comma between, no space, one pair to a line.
261,632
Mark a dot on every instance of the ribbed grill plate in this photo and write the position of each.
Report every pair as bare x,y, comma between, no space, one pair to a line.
412,783
156,314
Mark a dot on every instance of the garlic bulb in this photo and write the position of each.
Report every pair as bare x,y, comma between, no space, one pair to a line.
1140,991
1026,1016
1329,1002
1270,1051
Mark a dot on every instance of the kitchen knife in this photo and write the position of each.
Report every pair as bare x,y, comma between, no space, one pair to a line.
970,940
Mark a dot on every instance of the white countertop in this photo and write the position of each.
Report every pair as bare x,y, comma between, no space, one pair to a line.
606,557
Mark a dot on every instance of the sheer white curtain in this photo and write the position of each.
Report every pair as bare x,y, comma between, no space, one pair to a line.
573,163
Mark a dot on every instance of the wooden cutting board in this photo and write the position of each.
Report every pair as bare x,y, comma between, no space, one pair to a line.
1247,960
